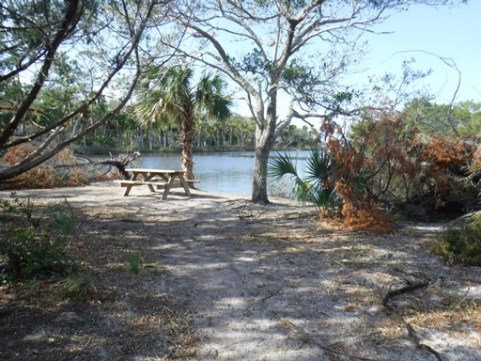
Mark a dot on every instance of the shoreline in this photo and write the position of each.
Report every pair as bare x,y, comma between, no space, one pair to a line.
108,193
104,189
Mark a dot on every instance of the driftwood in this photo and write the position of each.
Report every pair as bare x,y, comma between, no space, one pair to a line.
91,167
121,163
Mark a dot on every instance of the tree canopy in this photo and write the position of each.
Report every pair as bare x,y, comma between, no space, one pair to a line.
269,48
66,68
48,47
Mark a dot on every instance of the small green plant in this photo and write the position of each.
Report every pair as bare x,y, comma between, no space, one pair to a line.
64,218
461,243
28,208
9,206
6,206
134,260
79,287
30,255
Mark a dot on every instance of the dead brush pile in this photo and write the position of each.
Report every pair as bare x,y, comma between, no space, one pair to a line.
62,170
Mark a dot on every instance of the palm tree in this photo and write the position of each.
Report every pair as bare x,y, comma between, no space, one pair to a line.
168,96
317,186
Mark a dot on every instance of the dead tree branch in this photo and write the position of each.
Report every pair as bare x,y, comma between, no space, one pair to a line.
411,332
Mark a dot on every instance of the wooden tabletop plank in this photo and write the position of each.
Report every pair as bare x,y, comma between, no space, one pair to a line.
147,170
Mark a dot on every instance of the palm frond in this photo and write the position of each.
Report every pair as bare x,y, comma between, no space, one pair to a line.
168,91
302,190
281,165
324,198
320,166
315,188
210,99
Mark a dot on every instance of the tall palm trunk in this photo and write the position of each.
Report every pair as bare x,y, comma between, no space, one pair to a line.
188,129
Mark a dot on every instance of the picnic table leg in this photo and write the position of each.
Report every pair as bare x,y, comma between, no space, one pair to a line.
184,184
168,186
129,186
151,187
127,190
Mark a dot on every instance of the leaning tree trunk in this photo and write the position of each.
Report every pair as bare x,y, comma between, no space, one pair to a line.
265,133
188,146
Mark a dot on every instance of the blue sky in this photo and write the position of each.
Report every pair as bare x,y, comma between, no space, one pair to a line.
450,32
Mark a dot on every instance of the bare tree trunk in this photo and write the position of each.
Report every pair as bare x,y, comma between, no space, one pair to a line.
265,132
259,185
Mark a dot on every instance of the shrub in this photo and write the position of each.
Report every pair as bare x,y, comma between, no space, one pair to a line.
30,247
31,255
64,217
461,242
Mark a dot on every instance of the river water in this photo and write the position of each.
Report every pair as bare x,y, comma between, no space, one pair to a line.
227,173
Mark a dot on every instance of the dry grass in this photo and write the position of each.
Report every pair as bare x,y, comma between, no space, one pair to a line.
458,312
105,309
322,289
391,330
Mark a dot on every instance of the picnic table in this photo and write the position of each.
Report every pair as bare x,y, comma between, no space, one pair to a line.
158,178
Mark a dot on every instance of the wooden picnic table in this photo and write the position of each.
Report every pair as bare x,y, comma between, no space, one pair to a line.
159,178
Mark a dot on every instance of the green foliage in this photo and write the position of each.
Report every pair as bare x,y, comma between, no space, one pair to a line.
283,165
7,206
168,95
233,132
462,119
33,249
28,208
209,98
316,186
293,136
64,218
134,260
255,63
461,243
32,255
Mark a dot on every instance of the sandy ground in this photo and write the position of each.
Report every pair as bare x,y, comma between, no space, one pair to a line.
274,283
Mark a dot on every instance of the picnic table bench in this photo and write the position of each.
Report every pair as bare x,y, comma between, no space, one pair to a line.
155,178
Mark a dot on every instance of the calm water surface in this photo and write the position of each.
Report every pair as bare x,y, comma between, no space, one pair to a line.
228,173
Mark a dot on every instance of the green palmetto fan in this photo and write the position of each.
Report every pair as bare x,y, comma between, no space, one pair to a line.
317,186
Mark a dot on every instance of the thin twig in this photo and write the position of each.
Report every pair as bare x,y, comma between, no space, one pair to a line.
327,348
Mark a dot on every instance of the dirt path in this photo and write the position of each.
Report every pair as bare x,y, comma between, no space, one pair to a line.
270,283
